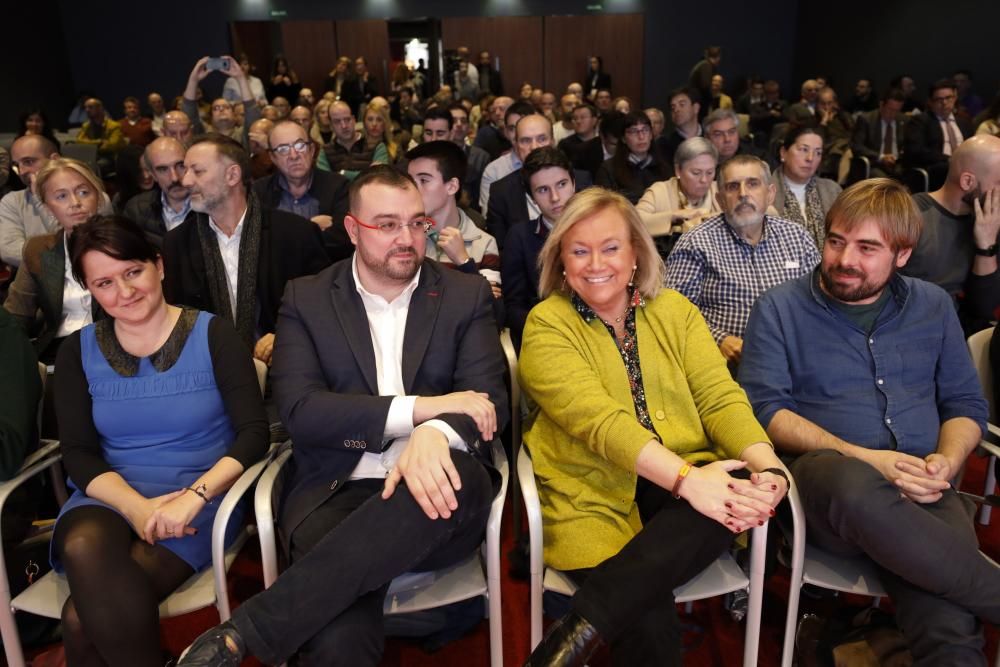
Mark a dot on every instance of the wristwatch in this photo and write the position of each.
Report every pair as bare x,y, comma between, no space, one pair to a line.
987,252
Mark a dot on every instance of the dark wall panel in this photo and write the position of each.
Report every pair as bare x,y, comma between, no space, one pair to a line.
617,38
369,38
516,40
311,49
255,39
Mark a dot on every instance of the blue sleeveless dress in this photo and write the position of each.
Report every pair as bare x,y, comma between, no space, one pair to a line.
161,432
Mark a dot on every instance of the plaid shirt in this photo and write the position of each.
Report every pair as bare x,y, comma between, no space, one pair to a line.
723,275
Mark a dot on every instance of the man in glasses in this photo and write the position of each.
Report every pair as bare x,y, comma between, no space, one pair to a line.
234,256
930,138
298,187
223,115
389,378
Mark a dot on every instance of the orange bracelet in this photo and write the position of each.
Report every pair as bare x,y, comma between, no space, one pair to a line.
685,469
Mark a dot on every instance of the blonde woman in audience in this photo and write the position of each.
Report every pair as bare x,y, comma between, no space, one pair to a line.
646,469
378,130
622,104
991,119
337,76
44,284
321,131
679,204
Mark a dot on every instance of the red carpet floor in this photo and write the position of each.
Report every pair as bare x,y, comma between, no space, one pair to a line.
717,642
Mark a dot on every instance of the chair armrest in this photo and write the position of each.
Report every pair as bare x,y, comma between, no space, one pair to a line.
493,524
222,517
264,512
533,510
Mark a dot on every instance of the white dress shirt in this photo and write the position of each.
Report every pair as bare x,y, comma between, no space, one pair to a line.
76,301
507,163
387,324
229,248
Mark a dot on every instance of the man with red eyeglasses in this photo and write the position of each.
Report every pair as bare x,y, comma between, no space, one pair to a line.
388,374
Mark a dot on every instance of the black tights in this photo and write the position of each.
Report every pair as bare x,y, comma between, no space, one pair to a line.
116,581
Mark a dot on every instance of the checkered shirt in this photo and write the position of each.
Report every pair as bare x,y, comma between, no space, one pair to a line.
723,275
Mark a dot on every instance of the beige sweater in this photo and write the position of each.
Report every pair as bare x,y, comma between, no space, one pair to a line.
661,204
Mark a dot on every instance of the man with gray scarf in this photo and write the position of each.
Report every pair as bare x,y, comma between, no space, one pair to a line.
234,257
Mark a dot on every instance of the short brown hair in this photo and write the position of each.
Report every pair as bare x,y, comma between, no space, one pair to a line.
114,235
381,174
887,202
650,274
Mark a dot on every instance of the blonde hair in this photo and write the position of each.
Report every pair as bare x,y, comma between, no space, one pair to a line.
60,163
886,202
650,274
390,145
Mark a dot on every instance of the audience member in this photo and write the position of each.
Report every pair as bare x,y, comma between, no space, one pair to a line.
657,119
590,155
377,134
157,111
877,442
465,85
306,98
989,119
800,195
321,131
549,180
360,87
404,111
453,125
700,78
672,207
177,125
957,249
764,116
347,153
44,298
878,135
724,264
137,129
722,128
685,107
235,256
489,78
603,102
968,102
303,117
909,87
677,488
864,98
438,168
427,421
131,177
636,165
562,123
584,120
508,202
22,213
223,119
803,112
127,537
35,121
754,95
169,203
284,82
492,135
282,107
101,131
597,79
20,393
511,161
719,99
622,105
931,138
260,152
836,127
338,76
299,187
232,90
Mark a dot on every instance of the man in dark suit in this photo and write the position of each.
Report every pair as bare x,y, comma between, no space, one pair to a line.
489,78
168,204
685,112
389,377
930,138
298,187
878,135
235,256
590,155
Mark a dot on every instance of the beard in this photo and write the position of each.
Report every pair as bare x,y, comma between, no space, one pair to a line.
403,269
745,215
866,289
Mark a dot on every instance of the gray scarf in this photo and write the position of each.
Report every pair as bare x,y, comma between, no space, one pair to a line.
246,281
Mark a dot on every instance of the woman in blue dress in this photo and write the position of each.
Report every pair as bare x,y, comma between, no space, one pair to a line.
160,412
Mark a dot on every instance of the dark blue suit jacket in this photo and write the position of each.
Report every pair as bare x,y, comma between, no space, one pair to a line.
325,380
519,271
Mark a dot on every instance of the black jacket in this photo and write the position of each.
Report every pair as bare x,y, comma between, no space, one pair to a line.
331,192
146,210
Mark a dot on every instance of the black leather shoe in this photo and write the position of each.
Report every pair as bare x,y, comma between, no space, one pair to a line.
215,648
569,642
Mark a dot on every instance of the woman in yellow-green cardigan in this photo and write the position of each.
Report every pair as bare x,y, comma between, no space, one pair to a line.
647,455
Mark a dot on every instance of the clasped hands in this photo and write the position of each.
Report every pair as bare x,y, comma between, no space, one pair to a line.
738,504
166,516
921,480
425,464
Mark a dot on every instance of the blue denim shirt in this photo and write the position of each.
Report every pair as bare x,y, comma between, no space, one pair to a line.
889,389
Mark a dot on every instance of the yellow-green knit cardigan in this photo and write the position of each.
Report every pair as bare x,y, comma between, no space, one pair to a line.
584,437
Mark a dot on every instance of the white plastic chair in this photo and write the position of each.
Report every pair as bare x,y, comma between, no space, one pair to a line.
507,343
979,348
812,565
721,577
409,592
46,596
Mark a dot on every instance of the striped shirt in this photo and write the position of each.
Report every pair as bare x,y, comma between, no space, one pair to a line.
724,275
